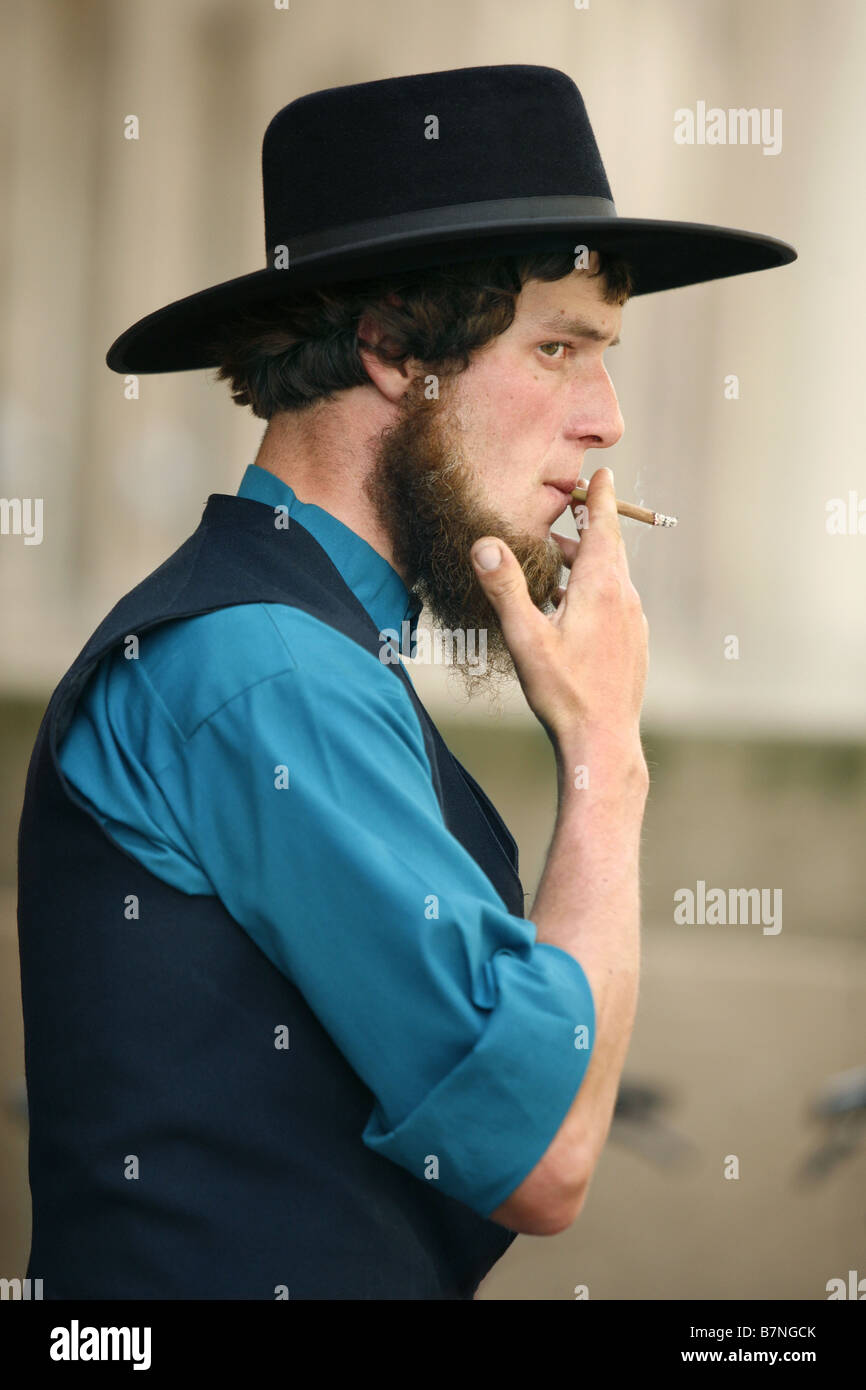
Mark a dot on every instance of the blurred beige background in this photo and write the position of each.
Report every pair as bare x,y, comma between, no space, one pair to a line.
759,763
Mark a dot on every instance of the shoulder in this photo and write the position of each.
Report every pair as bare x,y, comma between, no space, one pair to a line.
196,667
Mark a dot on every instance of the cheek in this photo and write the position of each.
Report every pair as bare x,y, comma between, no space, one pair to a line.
513,413
526,429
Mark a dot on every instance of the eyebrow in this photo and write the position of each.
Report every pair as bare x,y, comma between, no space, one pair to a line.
576,327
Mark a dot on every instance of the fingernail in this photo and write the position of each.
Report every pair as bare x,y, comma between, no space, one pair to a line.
488,557
609,471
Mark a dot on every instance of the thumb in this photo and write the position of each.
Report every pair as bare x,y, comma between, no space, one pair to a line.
504,583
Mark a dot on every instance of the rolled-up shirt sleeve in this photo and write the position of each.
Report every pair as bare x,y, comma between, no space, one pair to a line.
307,798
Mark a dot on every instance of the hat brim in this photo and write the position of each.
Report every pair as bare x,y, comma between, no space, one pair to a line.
663,256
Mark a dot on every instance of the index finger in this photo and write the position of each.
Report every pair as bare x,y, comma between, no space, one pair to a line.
602,516
601,496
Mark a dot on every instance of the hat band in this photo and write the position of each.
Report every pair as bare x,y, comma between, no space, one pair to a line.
461,219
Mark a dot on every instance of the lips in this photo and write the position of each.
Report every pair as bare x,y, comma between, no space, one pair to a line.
562,489
566,485
562,493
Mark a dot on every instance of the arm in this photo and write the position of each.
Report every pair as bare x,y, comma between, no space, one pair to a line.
583,673
593,863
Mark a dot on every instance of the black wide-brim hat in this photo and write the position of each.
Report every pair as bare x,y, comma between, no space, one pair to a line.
380,177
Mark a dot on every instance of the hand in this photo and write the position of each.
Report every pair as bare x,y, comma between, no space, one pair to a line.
582,668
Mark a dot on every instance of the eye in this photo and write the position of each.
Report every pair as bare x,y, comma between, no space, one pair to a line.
550,356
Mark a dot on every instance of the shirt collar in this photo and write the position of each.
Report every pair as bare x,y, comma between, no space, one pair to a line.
375,583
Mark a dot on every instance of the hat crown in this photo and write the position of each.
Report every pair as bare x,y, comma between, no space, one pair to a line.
399,145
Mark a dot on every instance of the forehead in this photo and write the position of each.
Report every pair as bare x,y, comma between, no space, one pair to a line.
573,305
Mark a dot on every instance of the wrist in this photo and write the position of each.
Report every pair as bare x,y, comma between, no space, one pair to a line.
603,760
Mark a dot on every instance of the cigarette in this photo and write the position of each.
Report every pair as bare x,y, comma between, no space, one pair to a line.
636,513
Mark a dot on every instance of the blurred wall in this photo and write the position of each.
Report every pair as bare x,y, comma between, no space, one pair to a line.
758,763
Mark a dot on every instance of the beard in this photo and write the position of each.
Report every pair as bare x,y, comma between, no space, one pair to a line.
429,504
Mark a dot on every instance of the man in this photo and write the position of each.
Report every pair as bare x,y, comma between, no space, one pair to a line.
289,1032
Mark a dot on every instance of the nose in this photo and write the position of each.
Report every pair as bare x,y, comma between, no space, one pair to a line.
595,418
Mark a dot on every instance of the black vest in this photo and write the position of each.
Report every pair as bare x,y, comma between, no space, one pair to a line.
154,1039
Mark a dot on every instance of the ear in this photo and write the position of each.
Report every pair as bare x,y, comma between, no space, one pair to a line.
393,379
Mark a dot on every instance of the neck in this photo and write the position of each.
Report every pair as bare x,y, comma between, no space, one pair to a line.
325,454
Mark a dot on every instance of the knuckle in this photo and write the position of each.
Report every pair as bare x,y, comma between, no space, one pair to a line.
608,525
632,597
609,585
509,585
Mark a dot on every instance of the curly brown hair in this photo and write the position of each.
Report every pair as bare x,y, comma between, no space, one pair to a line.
304,347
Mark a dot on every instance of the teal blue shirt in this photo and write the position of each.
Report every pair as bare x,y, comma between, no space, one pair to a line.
465,1029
